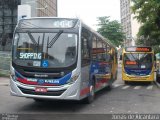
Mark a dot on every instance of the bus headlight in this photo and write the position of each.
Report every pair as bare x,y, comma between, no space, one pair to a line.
73,79
12,70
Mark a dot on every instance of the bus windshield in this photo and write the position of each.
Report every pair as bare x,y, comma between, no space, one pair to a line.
57,49
138,60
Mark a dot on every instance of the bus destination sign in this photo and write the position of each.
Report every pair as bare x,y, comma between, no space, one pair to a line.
139,49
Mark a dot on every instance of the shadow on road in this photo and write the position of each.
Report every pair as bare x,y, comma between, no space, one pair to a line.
139,83
53,106
60,106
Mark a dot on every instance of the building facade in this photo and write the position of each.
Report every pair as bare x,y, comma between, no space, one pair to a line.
130,25
8,16
42,8
8,21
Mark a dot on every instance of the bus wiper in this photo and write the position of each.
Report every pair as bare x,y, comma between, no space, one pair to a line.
32,38
135,58
144,55
49,45
38,44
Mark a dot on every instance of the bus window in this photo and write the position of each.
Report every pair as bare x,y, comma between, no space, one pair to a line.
85,47
94,46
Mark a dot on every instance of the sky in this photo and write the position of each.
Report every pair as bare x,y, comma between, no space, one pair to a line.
89,10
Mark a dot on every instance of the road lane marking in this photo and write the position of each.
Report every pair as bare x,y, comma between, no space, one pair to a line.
137,87
117,85
150,87
125,87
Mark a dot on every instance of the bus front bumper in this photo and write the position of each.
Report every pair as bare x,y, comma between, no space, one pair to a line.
65,92
126,77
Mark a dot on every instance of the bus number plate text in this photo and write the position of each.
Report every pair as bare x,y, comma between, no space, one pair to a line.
44,90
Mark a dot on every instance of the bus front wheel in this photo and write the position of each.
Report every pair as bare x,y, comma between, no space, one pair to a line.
91,96
126,82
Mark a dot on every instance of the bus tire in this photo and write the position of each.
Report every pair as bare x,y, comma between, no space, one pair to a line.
91,96
109,87
157,79
116,75
126,82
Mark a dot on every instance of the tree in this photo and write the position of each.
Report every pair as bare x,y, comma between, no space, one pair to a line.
148,14
111,30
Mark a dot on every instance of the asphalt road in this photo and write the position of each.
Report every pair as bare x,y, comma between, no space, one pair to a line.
133,98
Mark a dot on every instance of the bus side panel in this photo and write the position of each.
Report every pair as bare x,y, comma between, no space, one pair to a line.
84,66
97,73
84,82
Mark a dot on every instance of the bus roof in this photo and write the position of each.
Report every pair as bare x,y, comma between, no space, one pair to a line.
77,19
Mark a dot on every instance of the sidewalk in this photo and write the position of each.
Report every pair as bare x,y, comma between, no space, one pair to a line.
4,81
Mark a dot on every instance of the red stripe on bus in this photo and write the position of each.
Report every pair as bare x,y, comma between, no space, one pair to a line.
98,85
84,91
25,81
101,82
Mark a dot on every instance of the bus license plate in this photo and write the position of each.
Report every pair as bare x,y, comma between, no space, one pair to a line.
44,90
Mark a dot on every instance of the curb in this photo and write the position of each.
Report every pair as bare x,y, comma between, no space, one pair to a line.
4,81
4,84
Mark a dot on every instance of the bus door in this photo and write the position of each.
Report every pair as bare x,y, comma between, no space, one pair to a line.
85,61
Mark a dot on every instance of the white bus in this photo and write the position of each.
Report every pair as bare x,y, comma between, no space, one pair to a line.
60,58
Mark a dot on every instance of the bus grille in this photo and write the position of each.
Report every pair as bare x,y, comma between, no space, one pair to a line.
48,93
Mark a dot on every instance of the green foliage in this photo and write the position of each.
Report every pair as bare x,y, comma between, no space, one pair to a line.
156,48
148,13
111,30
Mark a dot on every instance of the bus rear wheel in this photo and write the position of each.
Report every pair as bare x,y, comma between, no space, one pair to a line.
157,79
109,87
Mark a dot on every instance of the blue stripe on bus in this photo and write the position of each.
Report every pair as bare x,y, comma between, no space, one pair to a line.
60,81
140,72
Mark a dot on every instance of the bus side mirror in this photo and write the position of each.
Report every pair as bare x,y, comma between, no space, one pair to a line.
120,57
